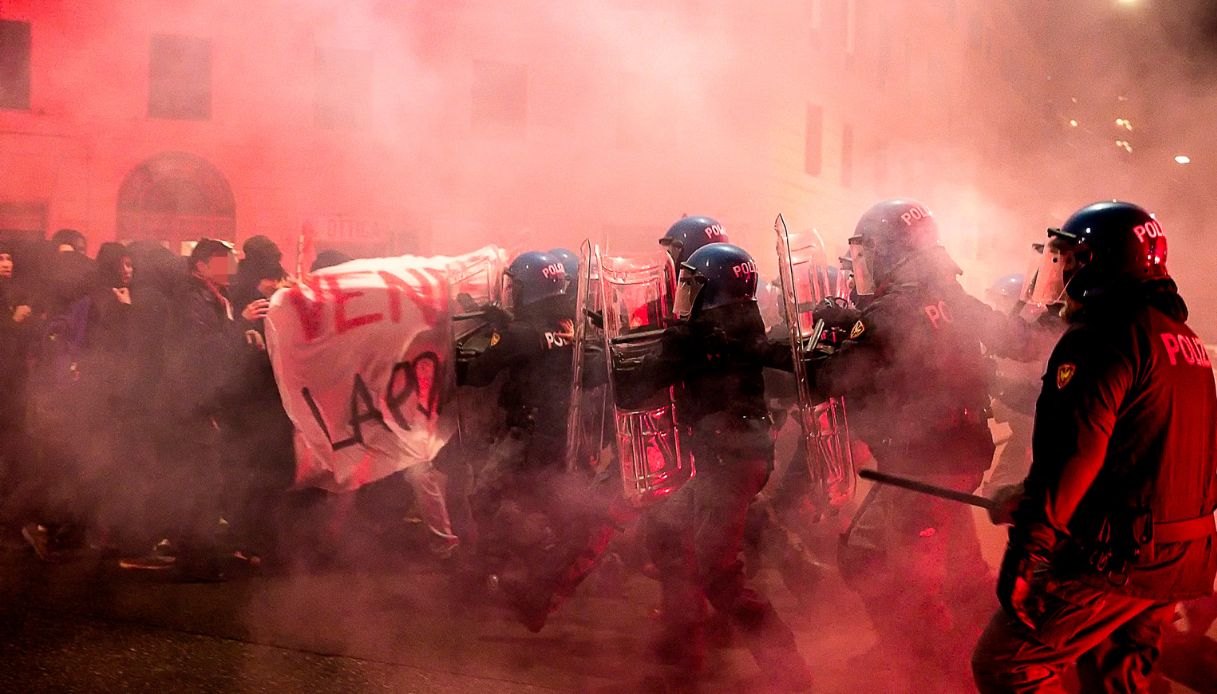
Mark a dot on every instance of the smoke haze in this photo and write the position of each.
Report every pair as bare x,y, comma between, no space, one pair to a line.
447,125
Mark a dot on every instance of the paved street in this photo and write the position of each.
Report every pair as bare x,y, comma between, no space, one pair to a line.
84,625
400,626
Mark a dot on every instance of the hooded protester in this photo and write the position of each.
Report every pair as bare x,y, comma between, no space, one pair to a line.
106,375
108,331
259,439
329,258
158,273
55,396
15,321
15,317
69,241
258,273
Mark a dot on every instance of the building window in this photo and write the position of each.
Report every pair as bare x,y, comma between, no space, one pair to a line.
344,87
179,78
22,221
500,97
813,158
847,156
14,64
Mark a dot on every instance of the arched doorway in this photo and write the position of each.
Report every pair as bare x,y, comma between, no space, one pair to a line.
175,198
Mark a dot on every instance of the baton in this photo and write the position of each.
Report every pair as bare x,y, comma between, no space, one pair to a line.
930,489
636,337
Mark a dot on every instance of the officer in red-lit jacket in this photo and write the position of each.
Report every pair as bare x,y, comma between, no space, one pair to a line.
1116,523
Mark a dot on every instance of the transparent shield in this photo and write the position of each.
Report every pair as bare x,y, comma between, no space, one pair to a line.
1050,277
806,273
636,293
687,289
472,285
805,280
586,422
863,267
1031,274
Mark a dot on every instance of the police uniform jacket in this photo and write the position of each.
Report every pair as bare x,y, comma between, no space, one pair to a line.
1125,451
915,372
535,350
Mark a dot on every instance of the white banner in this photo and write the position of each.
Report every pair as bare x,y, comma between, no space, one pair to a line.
362,353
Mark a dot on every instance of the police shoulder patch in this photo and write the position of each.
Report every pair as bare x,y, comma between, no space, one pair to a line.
494,338
857,330
1064,374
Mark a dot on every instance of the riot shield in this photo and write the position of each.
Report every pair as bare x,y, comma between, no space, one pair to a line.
636,301
474,282
805,280
586,422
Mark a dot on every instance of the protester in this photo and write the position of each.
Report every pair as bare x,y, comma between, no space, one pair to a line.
48,493
106,368
200,379
258,273
15,322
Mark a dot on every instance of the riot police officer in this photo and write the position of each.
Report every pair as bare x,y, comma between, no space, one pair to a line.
714,357
916,377
533,347
1116,523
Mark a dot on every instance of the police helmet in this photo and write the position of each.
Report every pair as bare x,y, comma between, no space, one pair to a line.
570,262
715,275
534,276
1117,244
691,233
886,234
1008,286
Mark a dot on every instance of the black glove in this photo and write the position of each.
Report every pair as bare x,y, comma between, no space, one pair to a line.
466,302
1005,502
1014,580
496,315
836,316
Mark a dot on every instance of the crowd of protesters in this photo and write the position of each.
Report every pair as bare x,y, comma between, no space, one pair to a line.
140,415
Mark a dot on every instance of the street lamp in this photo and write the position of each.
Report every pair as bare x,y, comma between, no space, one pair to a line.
1182,159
